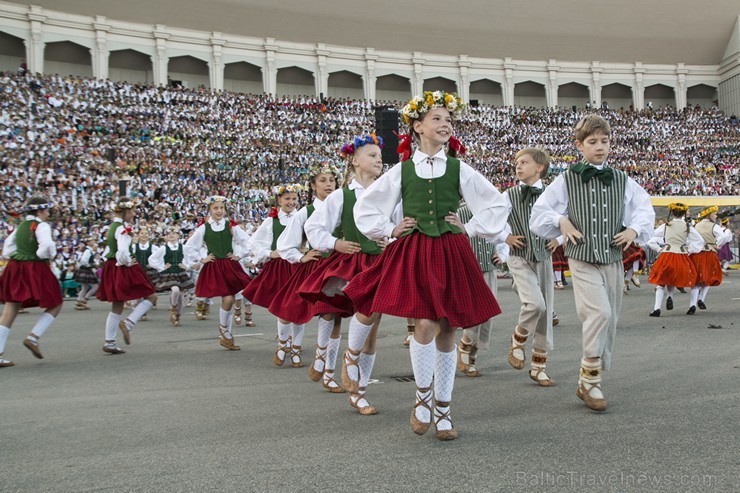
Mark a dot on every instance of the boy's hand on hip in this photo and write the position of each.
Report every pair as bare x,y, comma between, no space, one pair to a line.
569,232
625,238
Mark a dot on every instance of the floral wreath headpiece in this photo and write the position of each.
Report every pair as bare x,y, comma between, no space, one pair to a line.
707,211
287,188
349,149
174,229
39,207
678,206
123,206
324,167
725,220
216,198
431,100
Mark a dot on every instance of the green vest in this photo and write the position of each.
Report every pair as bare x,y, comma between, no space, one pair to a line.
218,242
111,240
174,258
26,243
429,200
349,228
142,255
277,230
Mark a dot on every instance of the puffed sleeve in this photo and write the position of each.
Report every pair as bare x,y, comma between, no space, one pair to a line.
490,213
550,207
192,252
123,240
374,210
156,259
47,248
325,219
261,241
291,240
9,247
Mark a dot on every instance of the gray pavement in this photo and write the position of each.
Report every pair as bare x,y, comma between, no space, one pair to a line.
178,413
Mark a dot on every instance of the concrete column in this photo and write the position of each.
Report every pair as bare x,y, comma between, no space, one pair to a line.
100,54
160,60
216,65
638,88
680,89
595,86
369,81
551,88
35,44
463,86
269,72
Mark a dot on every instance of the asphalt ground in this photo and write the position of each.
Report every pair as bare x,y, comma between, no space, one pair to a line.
179,413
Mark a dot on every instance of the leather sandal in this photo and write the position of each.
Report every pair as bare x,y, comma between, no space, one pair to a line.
295,357
327,382
313,373
585,396
282,348
237,316
417,426
350,385
248,319
227,342
354,400
517,343
444,435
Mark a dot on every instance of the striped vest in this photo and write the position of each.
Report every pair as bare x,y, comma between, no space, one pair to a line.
483,250
597,211
535,250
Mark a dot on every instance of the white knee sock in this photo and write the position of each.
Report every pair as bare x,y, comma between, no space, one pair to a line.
332,349
297,334
558,276
324,332
283,331
4,331
669,290
43,323
694,295
174,296
224,318
628,274
357,334
367,361
703,292
444,375
111,326
635,266
138,312
659,295
422,362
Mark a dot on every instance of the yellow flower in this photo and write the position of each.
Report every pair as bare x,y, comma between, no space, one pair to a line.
449,98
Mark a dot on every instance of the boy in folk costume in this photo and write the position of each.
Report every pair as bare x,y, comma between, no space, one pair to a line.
123,279
27,279
430,273
599,211
218,244
530,265
708,268
675,240
85,275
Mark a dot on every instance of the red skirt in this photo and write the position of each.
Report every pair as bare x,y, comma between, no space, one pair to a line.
429,278
263,288
708,269
673,269
120,283
222,277
287,305
30,284
338,269
634,252
559,260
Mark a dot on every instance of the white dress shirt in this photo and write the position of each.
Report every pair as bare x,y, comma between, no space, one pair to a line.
290,242
694,242
374,210
260,244
552,205
47,249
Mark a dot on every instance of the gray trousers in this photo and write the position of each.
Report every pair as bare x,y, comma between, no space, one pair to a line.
598,293
480,335
534,285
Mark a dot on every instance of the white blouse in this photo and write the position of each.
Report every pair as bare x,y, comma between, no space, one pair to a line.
195,248
290,242
47,248
260,244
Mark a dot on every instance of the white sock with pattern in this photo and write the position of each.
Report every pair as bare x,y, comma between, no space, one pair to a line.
332,349
422,362
43,323
138,312
4,331
444,381
111,326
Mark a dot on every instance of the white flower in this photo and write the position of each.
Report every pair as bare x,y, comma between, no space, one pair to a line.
437,95
452,105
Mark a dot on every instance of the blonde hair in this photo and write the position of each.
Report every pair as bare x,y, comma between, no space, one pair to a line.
539,155
589,125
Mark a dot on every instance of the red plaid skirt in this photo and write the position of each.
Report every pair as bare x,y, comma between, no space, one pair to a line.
287,305
634,252
263,288
119,283
673,269
429,278
340,268
559,260
222,277
30,284
708,269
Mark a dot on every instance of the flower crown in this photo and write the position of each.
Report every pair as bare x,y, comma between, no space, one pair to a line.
707,211
289,188
678,206
173,229
349,149
39,207
431,100
215,198
122,206
324,167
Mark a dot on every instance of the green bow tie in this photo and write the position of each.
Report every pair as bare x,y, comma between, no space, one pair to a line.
528,191
605,174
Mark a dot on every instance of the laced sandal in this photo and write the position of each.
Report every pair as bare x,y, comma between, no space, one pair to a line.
635,280
559,285
173,316
227,342
84,305
409,335
417,426
593,403
466,359
349,384
330,384
517,344
237,316
355,400
277,359
200,311
295,357
111,347
248,319
314,374
79,305
537,372
4,363
33,346
126,331
444,435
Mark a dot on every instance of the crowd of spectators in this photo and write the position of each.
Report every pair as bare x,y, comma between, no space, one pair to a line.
78,140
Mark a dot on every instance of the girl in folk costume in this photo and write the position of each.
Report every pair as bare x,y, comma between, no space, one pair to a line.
675,240
218,244
633,260
559,266
174,275
143,251
85,275
123,278
27,279
287,305
725,254
708,268
430,273
276,271
353,253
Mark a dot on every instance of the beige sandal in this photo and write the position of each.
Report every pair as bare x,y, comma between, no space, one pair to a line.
517,344
354,399
350,385
444,435
417,426
327,382
282,348
313,373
